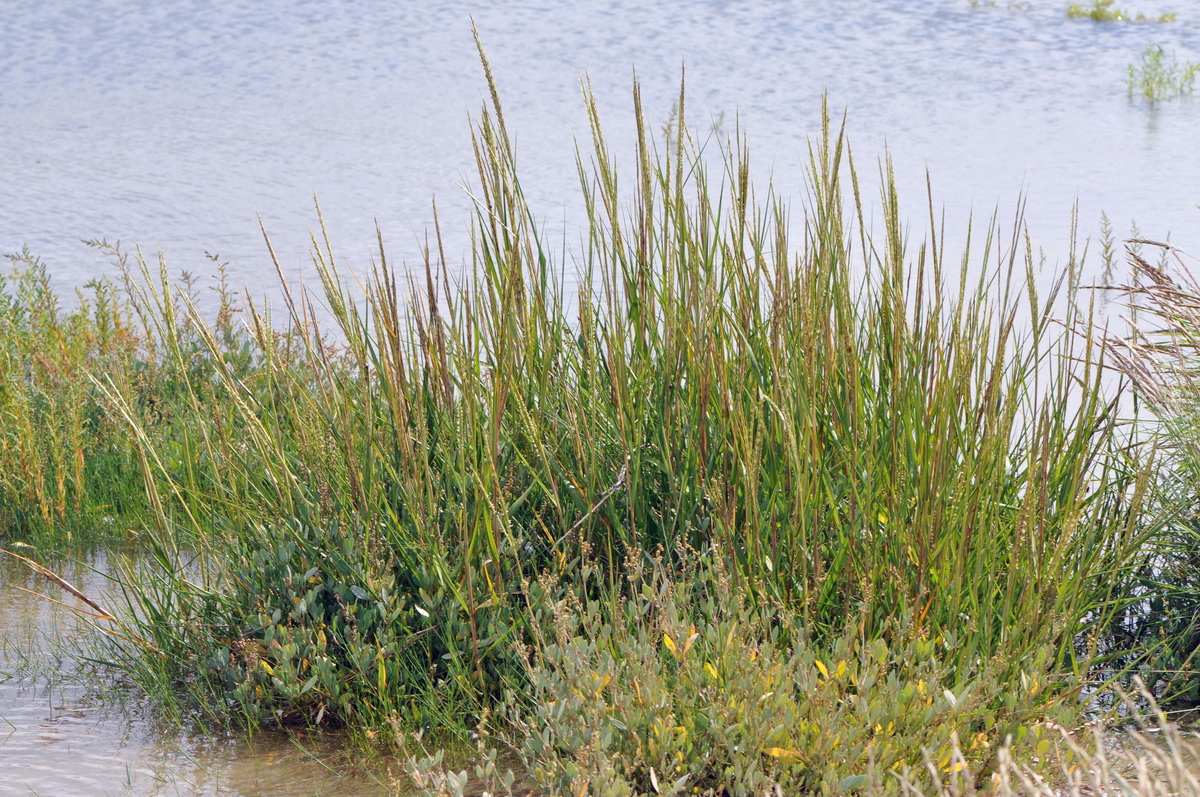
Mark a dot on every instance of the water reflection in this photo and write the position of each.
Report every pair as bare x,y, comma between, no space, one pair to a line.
66,730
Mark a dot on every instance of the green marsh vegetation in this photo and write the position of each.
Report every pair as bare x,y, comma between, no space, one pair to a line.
1161,356
1159,76
65,463
1107,11
768,502
69,466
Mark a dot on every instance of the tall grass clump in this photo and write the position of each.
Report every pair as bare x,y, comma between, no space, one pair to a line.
799,437
67,466
1161,358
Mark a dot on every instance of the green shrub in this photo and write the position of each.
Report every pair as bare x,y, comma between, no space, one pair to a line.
686,687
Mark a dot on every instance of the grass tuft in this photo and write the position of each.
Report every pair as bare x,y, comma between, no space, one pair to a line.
1158,77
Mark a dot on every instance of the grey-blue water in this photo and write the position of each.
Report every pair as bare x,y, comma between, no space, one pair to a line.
177,125
66,731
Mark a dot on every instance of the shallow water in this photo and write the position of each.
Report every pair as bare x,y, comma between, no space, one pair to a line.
176,124
65,731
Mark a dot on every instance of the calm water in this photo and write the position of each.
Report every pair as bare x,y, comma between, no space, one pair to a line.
178,125
64,732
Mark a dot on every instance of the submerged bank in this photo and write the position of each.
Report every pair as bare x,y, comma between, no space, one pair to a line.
770,503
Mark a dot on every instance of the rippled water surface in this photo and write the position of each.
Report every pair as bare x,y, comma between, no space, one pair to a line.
65,732
179,125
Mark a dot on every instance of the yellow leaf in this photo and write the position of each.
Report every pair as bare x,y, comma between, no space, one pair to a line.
603,682
262,663
1033,688
711,670
882,517
670,643
841,669
821,667
957,766
691,640
781,752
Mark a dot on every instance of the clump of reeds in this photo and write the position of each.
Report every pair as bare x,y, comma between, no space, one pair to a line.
66,465
69,464
1161,358
896,463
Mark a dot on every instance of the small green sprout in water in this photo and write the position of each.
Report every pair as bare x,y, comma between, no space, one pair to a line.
1159,76
1104,11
